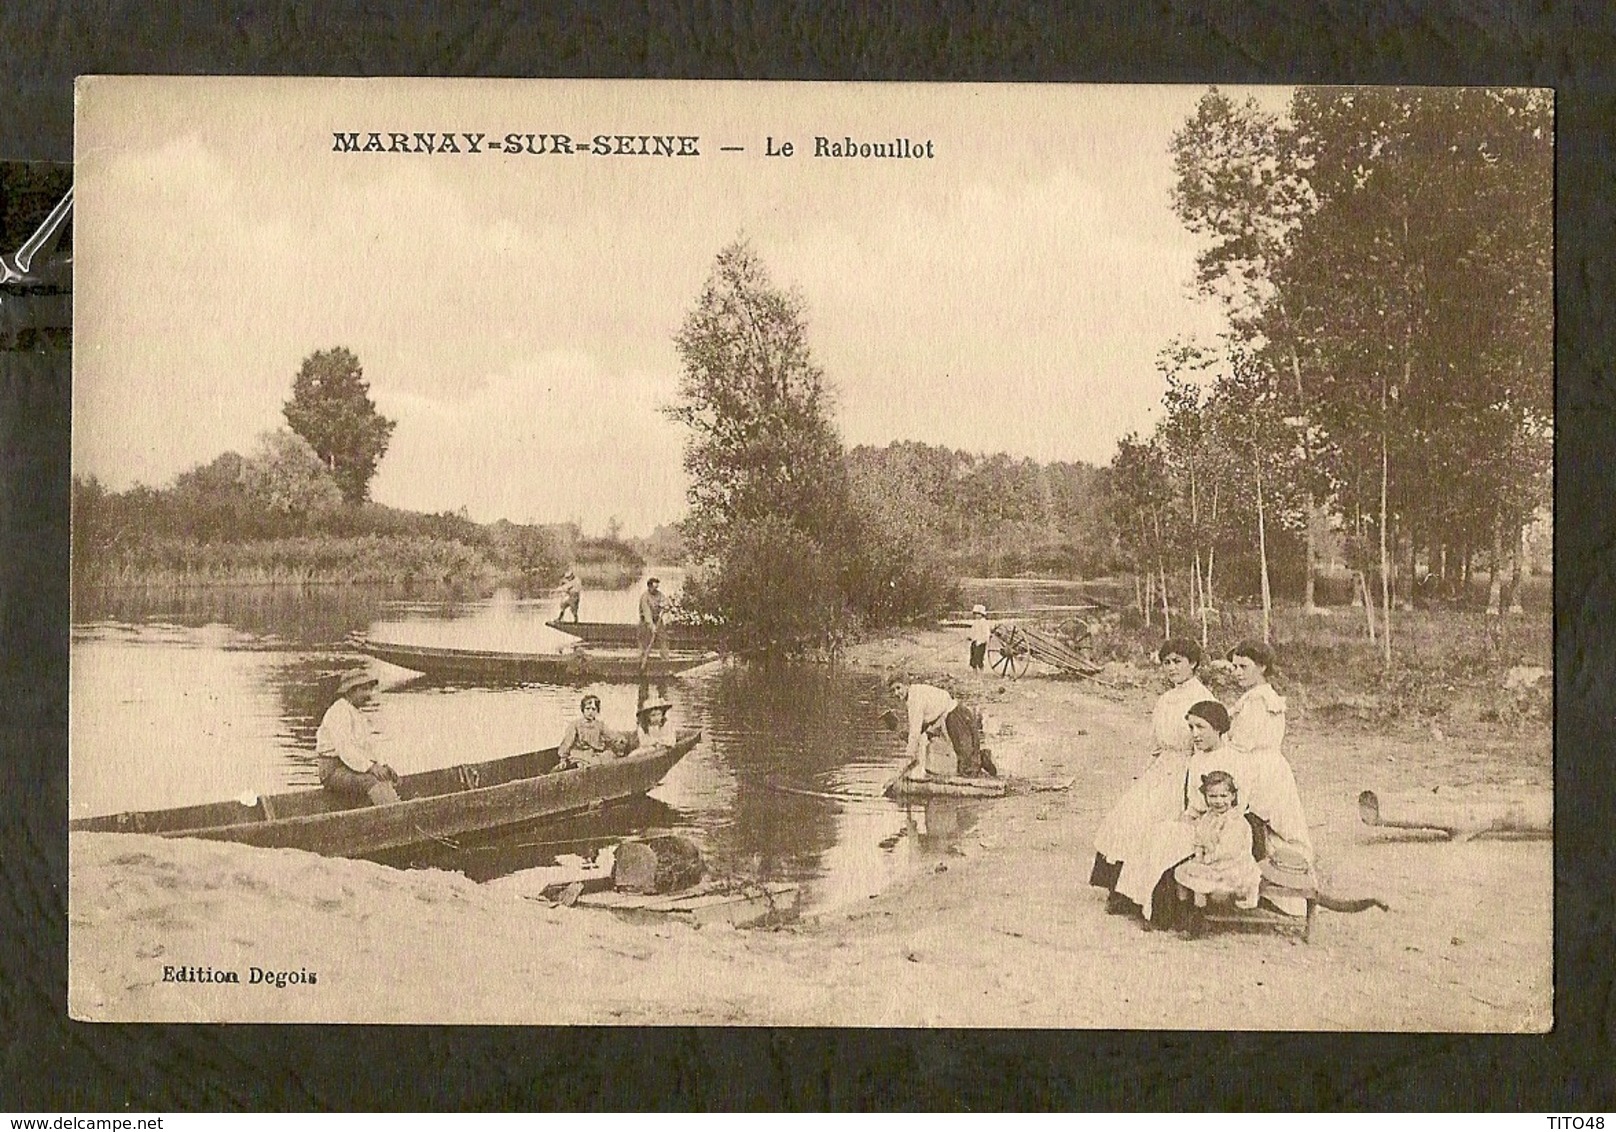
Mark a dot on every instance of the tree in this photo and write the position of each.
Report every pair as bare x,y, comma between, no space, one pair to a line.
1242,187
1427,264
768,477
331,408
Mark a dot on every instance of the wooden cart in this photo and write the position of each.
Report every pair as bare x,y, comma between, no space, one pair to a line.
1016,645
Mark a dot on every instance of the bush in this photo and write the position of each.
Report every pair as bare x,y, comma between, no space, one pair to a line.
773,589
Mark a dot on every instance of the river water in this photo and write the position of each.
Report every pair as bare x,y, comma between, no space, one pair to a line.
188,696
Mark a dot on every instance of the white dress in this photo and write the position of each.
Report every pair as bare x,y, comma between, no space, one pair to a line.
1157,795
1267,784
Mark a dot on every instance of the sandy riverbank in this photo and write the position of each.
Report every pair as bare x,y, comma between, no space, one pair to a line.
1009,934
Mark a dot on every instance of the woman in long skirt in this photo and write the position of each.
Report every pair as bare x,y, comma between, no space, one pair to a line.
1158,794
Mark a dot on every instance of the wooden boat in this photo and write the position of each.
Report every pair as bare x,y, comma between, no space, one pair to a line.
581,666
435,804
622,635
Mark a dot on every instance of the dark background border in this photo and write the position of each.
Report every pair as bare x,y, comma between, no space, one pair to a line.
50,1064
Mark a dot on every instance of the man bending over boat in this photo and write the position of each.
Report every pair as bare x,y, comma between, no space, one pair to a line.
588,740
934,712
344,746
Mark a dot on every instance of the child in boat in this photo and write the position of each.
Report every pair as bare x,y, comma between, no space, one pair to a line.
655,728
588,740
1223,864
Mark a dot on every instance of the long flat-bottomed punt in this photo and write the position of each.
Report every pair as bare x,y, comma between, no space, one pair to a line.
623,635
580,666
434,803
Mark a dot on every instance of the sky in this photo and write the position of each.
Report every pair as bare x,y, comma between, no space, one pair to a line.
515,313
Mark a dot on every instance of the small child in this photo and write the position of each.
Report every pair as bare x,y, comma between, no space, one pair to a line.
1222,865
981,633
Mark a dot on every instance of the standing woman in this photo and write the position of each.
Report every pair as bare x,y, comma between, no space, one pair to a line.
1158,794
1267,784
1257,722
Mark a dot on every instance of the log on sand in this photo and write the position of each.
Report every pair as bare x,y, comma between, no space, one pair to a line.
1462,814
657,864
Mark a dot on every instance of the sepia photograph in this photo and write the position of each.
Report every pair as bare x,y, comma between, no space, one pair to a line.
838,554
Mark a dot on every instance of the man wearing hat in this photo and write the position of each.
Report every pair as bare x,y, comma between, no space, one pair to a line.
981,631
571,592
655,730
344,746
652,604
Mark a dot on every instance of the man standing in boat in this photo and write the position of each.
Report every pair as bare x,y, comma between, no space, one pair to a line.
344,746
933,712
652,604
571,594
587,740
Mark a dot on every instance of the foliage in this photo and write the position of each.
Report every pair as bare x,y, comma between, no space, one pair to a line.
214,526
330,407
1383,257
992,515
786,552
774,590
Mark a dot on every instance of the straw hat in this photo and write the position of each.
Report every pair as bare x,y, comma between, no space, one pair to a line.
357,678
656,703
1288,869
980,610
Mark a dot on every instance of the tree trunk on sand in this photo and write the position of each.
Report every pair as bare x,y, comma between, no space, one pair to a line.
1462,814
656,865
1406,602
1495,580
1519,571
1315,512
1368,603
1262,555
1167,616
1385,560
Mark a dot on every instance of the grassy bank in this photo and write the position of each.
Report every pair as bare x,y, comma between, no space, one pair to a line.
1458,671
321,560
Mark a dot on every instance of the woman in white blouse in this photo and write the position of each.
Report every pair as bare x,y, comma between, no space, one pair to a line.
1159,793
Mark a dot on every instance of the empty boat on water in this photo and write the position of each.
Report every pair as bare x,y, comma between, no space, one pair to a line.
580,666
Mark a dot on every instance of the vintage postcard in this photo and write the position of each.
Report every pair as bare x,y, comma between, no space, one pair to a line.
555,552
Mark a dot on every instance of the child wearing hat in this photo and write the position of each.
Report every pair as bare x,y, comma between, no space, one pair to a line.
981,631
655,730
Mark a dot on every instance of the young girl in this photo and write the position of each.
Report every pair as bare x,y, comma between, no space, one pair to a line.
1222,865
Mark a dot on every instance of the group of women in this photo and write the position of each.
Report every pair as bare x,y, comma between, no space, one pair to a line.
1151,832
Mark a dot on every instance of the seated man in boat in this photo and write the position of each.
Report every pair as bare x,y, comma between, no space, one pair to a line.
655,728
932,712
587,740
344,746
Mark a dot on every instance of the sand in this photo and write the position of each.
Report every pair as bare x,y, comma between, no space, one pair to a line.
1005,933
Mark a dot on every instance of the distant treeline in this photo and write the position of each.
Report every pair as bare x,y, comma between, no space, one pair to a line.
220,524
996,516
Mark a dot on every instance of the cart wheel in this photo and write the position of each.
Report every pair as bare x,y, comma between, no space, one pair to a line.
1012,656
